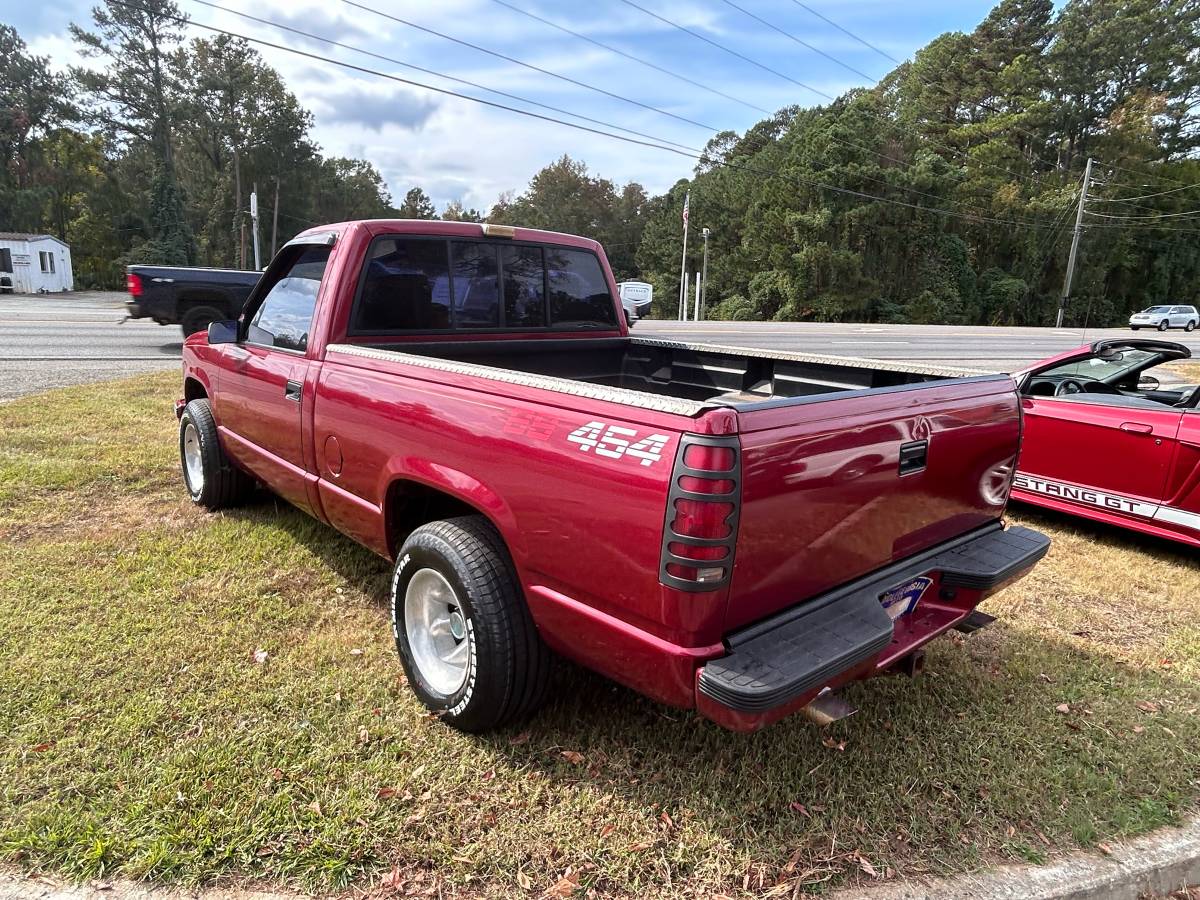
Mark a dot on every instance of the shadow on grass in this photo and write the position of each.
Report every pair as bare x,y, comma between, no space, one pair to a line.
1158,547
1018,741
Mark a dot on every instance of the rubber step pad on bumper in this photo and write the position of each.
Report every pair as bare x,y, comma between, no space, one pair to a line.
801,648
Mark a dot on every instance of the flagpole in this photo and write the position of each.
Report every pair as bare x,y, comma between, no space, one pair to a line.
683,261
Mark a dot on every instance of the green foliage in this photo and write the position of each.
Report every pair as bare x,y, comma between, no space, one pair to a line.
417,205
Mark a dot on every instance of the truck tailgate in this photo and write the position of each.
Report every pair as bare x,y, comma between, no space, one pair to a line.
834,490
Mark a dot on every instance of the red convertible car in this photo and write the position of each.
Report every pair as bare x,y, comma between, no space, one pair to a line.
1112,432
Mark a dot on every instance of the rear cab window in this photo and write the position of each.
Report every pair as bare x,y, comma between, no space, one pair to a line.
418,284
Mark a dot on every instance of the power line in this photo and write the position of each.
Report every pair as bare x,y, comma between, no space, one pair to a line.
433,72
801,42
1146,196
1188,213
848,32
523,64
767,173
962,153
630,56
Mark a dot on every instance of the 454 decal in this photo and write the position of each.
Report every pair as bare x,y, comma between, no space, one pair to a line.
616,441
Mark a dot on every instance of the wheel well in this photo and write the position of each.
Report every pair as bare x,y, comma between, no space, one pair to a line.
202,298
193,390
410,505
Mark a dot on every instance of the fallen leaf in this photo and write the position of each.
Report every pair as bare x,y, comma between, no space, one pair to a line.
1138,729
386,793
364,736
276,774
564,887
1042,676
866,866
1106,849
519,738
524,881
832,744
260,656
315,806
1063,708
800,808
665,817
1147,706
42,747
607,830
574,757
357,651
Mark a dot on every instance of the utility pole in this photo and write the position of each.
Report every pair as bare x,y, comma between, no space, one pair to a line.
704,277
239,226
1066,291
687,198
275,218
254,225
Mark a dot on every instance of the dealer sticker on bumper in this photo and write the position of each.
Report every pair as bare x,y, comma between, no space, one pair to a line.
904,598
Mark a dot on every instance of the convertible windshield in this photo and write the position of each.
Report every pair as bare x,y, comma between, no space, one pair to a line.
1108,369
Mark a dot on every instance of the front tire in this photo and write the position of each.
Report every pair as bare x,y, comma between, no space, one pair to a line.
1134,327
211,479
1163,325
464,634
1191,326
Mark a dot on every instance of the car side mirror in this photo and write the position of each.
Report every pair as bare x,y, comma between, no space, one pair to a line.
1148,383
224,332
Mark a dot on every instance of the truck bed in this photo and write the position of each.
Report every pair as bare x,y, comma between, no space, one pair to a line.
698,376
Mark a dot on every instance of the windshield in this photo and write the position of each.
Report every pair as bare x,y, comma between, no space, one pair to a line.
1157,309
1109,369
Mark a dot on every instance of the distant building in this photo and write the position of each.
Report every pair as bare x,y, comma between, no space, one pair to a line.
35,263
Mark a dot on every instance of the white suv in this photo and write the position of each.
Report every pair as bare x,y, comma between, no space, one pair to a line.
1164,317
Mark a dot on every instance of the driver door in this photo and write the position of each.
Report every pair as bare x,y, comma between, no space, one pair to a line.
1119,450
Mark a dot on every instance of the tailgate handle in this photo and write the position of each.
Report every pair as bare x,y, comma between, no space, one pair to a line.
913,456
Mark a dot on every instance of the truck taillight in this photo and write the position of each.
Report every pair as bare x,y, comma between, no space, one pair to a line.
702,513
134,283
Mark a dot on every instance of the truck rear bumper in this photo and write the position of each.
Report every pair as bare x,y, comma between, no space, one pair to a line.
777,666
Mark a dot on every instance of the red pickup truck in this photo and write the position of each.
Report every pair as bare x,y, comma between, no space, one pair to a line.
728,530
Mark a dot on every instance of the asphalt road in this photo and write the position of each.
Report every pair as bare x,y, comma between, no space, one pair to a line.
51,341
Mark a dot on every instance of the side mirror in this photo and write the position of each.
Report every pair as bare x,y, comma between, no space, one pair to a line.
224,332
1148,383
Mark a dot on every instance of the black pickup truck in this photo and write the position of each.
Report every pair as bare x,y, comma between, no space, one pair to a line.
190,297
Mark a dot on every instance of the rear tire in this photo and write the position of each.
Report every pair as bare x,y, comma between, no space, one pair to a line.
198,318
1163,325
464,634
1191,326
1134,327
211,479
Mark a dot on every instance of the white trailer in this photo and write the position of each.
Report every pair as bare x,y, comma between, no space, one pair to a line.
34,263
636,297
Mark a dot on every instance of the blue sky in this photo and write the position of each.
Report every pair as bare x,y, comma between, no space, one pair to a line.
459,150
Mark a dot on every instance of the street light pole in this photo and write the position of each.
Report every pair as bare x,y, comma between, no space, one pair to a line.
704,278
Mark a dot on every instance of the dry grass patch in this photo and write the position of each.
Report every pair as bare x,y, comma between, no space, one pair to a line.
140,735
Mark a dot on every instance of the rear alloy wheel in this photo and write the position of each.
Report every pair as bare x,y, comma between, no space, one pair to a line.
1191,326
464,634
1163,325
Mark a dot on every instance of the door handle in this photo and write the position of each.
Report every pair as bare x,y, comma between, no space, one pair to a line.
1137,428
292,391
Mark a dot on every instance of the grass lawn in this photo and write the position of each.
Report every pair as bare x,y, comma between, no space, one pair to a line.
143,733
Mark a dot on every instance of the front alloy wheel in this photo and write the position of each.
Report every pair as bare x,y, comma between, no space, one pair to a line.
1162,326
438,636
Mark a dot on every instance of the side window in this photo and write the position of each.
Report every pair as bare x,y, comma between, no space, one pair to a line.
579,293
5,259
476,285
406,286
524,286
285,315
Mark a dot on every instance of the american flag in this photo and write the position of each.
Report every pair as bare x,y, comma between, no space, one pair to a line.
687,198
